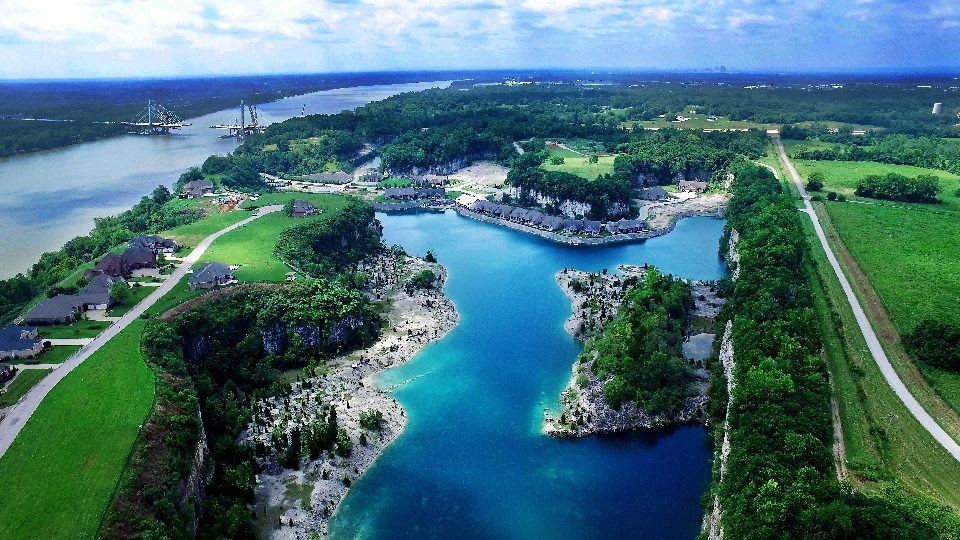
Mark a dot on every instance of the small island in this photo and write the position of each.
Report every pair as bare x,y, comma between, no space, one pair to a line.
646,336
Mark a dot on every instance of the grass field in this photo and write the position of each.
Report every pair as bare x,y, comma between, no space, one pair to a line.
136,295
580,165
885,445
251,246
188,236
24,381
81,329
66,461
843,176
55,355
179,294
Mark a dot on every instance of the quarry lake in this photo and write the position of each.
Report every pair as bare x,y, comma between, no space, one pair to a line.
472,462
47,198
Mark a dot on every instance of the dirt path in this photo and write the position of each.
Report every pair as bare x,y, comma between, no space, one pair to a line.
13,422
873,342
839,446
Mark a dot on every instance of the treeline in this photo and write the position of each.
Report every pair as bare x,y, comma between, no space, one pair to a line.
660,157
928,153
897,187
334,242
212,363
152,214
779,481
19,137
640,350
936,343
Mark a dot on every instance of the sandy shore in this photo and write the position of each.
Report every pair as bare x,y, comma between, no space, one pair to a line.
293,504
584,411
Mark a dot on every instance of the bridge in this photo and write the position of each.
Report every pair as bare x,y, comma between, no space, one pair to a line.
155,120
240,129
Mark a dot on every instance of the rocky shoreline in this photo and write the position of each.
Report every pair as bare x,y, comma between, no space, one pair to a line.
298,504
584,412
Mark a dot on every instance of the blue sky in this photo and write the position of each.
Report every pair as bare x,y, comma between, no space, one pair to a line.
95,38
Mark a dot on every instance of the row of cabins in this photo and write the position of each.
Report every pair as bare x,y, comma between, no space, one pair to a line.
536,218
409,193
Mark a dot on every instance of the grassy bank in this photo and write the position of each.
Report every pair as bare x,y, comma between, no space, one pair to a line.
66,461
24,382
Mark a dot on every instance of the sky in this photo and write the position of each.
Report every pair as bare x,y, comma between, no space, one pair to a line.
120,38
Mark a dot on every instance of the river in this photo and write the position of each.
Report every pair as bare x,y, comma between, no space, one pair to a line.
47,198
471,462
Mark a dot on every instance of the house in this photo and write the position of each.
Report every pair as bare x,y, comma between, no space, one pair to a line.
210,275
430,193
7,372
96,295
61,309
625,226
591,227
303,209
432,180
552,223
518,214
655,193
153,243
196,188
399,193
692,186
372,176
535,217
138,257
110,265
19,342
573,226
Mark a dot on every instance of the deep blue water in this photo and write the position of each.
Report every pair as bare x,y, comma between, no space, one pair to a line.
472,462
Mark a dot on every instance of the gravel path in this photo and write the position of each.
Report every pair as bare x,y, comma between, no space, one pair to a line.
13,422
869,335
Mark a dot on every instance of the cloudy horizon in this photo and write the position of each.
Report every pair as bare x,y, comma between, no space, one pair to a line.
183,38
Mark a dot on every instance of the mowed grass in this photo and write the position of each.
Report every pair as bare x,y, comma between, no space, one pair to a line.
25,380
912,258
885,445
60,472
843,176
54,355
136,295
84,328
580,165
251,246
189,236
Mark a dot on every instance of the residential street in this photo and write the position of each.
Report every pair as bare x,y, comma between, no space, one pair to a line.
11,425
873,343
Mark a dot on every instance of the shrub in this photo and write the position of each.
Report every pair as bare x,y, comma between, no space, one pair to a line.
815,182
343,445
897,187
423,279
557,160
831,196
371,419
936,343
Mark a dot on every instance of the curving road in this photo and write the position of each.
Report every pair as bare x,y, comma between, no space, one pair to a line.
11,425
873,343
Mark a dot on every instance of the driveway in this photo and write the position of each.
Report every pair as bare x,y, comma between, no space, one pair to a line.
11,425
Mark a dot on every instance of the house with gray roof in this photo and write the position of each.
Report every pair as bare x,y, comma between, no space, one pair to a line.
573,226
399,193
137,258
156,244
20,342
303,209
7,372
591,227
111,265
96,295
655,193
431,193
625,226
552,223
210,275
692,186
197,188
61,309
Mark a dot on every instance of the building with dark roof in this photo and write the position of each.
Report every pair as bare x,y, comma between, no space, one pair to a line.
302,209
153,243
552,223
61,309
655,193
197,188
7,372
591,227
96,295
399,193
110,265
210,275
139,257
573,226
625,226
20,342
692,186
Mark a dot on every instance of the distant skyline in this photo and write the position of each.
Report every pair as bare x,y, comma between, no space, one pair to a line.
136,38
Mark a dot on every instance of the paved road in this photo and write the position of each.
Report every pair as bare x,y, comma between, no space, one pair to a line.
869,335
11,425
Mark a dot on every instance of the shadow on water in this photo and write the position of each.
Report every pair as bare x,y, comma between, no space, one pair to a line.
472,462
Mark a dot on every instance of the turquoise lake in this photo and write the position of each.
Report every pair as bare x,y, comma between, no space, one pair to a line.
471,462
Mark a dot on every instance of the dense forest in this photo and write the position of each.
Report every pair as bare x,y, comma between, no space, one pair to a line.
639,351
660,157
155,213
779,481
218,358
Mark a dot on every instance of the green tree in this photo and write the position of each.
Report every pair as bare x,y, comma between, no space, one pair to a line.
371,419
557,160
815,181
161,195
120,292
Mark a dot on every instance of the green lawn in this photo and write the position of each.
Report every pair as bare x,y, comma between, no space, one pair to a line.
580,165
843,176
191,235
251,246
178,295
136,295
54,355
84,328
66,461
394,183
24,381
911,257
321,200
